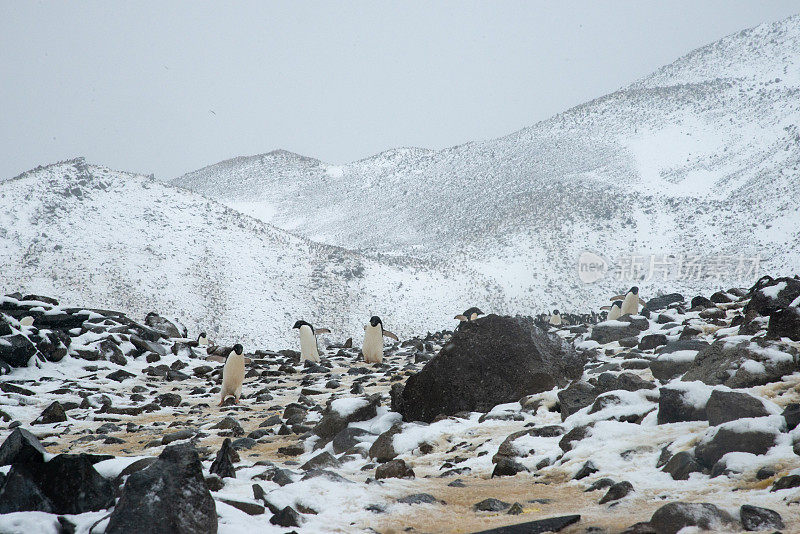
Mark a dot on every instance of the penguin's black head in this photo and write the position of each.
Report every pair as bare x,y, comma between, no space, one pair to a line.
202,334
300,323
238,349
472,310
375,321
617,303
555,312
634,290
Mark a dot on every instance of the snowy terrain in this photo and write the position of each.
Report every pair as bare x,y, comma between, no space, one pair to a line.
700,158
116,240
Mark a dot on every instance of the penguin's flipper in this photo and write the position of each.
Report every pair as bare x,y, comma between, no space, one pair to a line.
215,358
605,307
460,317
643,303
386,333
618,297
322,331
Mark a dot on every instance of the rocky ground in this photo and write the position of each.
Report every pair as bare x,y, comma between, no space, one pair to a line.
685,415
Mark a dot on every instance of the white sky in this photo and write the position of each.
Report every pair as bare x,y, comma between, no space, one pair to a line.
170,87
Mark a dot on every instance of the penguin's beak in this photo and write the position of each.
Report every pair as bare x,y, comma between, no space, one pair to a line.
460,317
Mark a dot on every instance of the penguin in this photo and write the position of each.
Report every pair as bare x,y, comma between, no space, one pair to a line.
308,340
630,304
26,321
614,311
469,315
233,375
555,318
373,340
202,339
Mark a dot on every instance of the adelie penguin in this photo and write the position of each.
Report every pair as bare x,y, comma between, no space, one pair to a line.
630,301
308,340
614,311
233,375
555,318
373,340
469,315
202,340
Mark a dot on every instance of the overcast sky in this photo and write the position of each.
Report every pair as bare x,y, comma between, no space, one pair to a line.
169,87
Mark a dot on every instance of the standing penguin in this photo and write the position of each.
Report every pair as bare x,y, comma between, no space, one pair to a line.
630,302
614,311
555,318
233,375
26,321
308,340
373,340
202,339
469,315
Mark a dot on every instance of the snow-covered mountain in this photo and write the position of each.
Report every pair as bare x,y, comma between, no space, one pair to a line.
115,240
699,158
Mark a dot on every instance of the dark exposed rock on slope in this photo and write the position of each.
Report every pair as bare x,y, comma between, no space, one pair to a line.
488,362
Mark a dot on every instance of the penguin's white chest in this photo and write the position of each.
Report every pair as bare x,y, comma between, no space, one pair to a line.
555,320
233,376
202,341
308,344
373,344
630,305
614,313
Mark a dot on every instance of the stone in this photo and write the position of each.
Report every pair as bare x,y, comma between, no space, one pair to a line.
726,440
723,364
169,399
576,434
681,465
757,518
791,414
578,395
610,331
16,350
222,465
119,375
550,524
394,469
617,492
21,447
786,482
333,422
323,459
507,467
652,341
675,407
169,496
490,361
287,517
382,449
661,302
164,326
724,406
588,468
625,381
348,438
785,323
418,498
672,517
491,505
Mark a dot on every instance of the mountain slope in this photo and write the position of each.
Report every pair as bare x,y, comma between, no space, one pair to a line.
111,239
699,158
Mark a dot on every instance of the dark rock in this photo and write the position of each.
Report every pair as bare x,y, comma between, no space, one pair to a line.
323,459
724,406
382,449
247,507
169,496
169,399
418,498
119,375
67,484
288,517
164,326
652,341
721,363
576,434
624,381
791,413
578,395
617,492
551,524
333,422
348,438
756,518
586,469
789,481
701,303
507,467
491,505
16,350
726,440
661,302
681,465
785,323
515,509
490,361
222,465
186,433
54,413
763,303
672,517
394,469
610,331
21,447
675,407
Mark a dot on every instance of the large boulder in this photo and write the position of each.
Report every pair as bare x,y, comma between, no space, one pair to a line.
67,484
21,447
785,323
724,406
170,496
609,331
164,326
661,302
770,295
490,361
755,436
672,517
681,402
341,412
16,350
740,365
